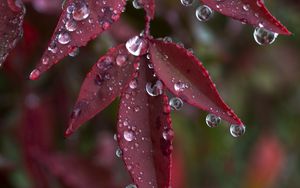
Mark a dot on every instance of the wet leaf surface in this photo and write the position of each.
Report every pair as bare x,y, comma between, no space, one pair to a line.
184,75
145,133
253,12
102,85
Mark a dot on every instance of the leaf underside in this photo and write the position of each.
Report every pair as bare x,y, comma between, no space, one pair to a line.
11,14
253,12
184,75
101,15
142,121
102,85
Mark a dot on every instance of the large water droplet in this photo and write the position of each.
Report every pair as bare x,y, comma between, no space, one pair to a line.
131,186
180,86
203,13
71,25
128,135
81,11
64,38
154,89
237,130
119,152
263,36
175,103
137,46
74,53
212,120
137,4
187,2
168,134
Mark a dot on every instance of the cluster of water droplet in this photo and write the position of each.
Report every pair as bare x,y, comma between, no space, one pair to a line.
213,120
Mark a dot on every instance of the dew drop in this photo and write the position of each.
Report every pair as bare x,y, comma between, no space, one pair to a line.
53,47
119,153
35,74
263,36
121,60
74,53
137,46
187,2
237,130
168,134
81,11
176,103
136,4
154,89
64,38
180,86
75,113
246,7
133,84
128,135
131,186
71,25
203,13
212,120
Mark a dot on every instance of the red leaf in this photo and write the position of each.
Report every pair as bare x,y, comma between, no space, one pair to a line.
184,75
12,14
76,27
248,11
145,133
102,85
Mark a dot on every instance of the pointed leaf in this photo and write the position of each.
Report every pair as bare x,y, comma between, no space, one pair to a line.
184,75
12,14
102,85
80,22
252,12
145,133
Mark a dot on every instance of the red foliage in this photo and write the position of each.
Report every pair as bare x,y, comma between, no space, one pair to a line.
144,126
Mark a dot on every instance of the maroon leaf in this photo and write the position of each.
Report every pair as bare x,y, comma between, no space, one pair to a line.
12,14
145,133
76,172
81,21
184,75
102,85
248,11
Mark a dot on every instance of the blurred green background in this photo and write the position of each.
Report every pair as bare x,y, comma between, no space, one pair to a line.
261,84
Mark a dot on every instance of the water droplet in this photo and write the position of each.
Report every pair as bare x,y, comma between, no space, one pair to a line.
71,25
74,52
136,4
52,47
35,74
180,86
212,120
128,135
64,38
119,153
167,39
175,103
187,2
81,11
263,36
246,7
121,60
237,130
203,13
137,46
45,61
75,113
133,84
131,186
168,134
154,89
